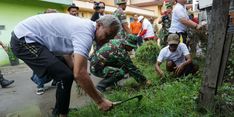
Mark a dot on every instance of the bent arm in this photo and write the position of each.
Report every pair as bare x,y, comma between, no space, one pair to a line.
188,59
158,69
188,22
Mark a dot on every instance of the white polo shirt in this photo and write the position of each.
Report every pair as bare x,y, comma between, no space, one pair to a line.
178,56
60,33
178,12
146,25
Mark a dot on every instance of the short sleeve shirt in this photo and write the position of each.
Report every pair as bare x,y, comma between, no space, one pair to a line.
146,25
178,56
178,12
60,33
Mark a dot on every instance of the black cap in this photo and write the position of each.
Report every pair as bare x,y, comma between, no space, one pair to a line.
73,6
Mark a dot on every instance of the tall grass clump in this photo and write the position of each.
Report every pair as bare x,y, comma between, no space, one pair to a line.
148,52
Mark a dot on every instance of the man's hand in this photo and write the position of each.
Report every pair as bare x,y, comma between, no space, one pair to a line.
105,105
158,70
161,74
179,69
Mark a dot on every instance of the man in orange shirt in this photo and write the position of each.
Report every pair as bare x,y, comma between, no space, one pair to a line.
135,26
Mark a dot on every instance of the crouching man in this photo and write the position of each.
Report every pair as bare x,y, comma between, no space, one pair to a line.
38,39
177,57
112,62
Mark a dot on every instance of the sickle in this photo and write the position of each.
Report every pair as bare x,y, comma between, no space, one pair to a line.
139,97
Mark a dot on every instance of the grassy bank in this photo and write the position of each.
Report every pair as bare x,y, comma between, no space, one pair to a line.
171,97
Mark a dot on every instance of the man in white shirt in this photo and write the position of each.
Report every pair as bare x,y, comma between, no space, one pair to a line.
180,20
177,56
38,39
147,31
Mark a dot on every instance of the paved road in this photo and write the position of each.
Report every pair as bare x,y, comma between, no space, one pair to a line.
20,99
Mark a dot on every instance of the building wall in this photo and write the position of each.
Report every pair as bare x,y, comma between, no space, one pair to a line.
156,9
140,1
109,2
14,11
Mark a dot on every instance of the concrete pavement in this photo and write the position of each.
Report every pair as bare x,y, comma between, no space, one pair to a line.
20,99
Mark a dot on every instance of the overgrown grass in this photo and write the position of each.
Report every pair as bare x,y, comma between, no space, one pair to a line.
175,97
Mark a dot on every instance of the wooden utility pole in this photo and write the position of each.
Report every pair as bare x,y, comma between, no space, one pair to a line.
217,30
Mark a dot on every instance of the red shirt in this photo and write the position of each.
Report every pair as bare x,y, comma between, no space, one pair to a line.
195,19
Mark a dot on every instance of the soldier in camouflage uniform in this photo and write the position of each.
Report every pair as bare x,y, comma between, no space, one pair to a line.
120,14
112,62
166,23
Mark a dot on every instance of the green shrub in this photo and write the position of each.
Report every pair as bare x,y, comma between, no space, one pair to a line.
148,52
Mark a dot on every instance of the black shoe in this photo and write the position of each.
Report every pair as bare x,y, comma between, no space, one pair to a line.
4,83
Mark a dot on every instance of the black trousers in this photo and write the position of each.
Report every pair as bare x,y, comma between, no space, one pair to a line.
43,62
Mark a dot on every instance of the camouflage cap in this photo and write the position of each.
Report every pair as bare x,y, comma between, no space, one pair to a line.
121,2
131,40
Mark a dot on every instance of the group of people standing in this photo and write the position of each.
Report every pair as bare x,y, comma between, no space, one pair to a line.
175,41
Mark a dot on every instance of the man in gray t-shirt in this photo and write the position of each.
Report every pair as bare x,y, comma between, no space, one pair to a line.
39,39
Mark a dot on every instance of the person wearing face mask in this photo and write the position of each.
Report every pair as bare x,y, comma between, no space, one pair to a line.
99,8
177,56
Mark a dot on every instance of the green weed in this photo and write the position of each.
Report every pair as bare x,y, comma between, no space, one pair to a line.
171,99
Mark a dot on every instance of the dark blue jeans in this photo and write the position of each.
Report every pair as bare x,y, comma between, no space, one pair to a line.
40,81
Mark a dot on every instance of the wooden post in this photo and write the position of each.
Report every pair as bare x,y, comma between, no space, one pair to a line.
216,42
227,43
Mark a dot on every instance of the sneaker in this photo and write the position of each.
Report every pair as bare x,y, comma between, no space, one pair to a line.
40,91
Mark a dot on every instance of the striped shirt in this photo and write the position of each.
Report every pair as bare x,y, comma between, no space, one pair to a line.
60,33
